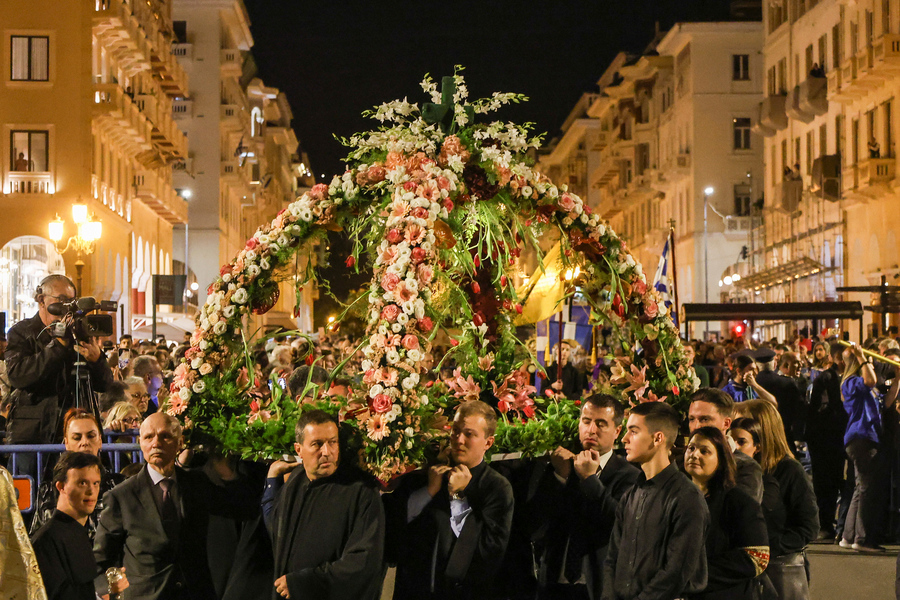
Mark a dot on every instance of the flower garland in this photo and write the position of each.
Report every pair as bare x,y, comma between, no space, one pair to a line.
441,213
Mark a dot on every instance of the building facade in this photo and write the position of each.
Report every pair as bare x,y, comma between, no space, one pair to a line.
667,143
243,165
86,113
829,124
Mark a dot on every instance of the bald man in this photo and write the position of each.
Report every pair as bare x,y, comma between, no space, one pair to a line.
164,550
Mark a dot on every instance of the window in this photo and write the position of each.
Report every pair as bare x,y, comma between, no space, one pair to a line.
740,67
809,151
742,200
742,133
29,151
823,51
823,139
808,58
836,45
29,58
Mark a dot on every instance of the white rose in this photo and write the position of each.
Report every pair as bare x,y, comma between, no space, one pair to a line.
253,271
424,400
204,344
282,240
392,356
226,277
250,255
414,355
185,393
527,191
263,238
409,431
240,296
396,327
264,264
205,369
220,328
402,319
229,311
375,390
199,387
366,365
306,215
195,364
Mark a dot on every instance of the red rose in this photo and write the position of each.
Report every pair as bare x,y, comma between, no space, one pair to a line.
578,403
448,204
252,243
529,411
394,236
409,186
310,360
390,312
410,342
425,324
225,269
382,403
477,262
519,308
351,260
420,213
418,255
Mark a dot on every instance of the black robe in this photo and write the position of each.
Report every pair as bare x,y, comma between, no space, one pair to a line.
328,536
63,551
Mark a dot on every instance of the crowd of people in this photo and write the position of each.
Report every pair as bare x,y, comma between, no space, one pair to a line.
645,503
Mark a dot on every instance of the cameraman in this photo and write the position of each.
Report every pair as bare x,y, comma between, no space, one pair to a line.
40,368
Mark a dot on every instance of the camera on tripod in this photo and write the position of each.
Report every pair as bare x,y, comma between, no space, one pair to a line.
85,323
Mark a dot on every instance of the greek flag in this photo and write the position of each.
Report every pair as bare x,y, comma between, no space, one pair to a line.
662,283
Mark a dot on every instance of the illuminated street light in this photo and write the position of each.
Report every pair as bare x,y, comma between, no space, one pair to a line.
90,229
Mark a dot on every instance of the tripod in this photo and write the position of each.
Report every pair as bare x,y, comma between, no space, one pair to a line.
84,391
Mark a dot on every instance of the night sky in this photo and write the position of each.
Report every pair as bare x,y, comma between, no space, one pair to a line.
335,59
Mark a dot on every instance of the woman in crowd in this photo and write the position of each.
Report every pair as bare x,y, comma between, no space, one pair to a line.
821,360
82,434
737,546
122,417
863,441
790,532
137,393
743,386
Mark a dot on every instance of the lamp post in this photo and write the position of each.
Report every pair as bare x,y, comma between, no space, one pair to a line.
706,194
89,231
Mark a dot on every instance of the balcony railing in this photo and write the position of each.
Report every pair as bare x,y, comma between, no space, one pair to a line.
231,62
184,51
874,171
158,194
736,224
182,108
26,182
792,107
121,118
886,52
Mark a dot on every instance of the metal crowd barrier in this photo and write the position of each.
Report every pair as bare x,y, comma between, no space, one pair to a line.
111,448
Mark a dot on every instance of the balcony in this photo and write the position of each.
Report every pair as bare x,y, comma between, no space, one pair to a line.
233,117
182,108
757,127
235,174
792,107
886,52
813,96
877,171
116,114
855,85
183,51
159,195
165,135
231,63
772,113
27,182
736,224
130,32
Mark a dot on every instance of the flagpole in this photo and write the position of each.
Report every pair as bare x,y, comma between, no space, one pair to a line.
674,268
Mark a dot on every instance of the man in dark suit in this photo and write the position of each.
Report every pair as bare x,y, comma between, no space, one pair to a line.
574,506
711,407
788,395
155,523
456,521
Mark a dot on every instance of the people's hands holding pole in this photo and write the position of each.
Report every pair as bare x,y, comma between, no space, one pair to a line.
587,463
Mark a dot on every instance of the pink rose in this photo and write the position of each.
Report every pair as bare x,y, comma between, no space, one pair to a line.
426,324
394,236
425,274
389,255
566,202
443,183
448,204
390,312
369,377
319,191
390,281
382,403
420,213
418,255
410,342
409,186
376,173
252,243
640,287
651,310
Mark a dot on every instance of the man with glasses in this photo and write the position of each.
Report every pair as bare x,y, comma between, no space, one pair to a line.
40,370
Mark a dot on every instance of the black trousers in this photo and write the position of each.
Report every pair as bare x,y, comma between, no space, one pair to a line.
828,459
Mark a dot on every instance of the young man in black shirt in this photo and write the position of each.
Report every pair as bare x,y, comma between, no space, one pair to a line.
657,550
62,546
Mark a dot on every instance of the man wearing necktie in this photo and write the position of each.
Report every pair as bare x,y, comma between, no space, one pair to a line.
155,524
573,507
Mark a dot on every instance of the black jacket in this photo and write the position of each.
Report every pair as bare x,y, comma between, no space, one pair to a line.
797,503
48,496
433,562
160,567
575,521
40,374
328,536
63,552
791,403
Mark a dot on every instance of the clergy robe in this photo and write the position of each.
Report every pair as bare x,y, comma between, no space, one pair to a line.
63,550
328,536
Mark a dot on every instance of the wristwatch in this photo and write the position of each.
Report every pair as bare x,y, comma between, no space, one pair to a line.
458,496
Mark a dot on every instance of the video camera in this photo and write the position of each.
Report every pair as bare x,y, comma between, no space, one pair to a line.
83,325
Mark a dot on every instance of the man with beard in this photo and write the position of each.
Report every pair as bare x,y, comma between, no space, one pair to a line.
454,526
574,507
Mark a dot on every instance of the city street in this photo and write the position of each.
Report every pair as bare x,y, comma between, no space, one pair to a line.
839,574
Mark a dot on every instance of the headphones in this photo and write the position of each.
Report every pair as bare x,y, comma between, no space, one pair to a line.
40,292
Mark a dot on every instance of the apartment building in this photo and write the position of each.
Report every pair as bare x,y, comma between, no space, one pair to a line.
829,126
667,143
86,104
242,165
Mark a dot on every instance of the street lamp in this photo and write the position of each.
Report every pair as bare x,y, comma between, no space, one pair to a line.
89,231
706,194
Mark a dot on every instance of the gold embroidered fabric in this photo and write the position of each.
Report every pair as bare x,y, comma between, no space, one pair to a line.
20,577
760,557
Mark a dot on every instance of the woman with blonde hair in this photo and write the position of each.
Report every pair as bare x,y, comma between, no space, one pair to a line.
862,440
122,417
789,537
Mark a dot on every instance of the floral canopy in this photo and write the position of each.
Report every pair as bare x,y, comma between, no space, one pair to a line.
440,207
